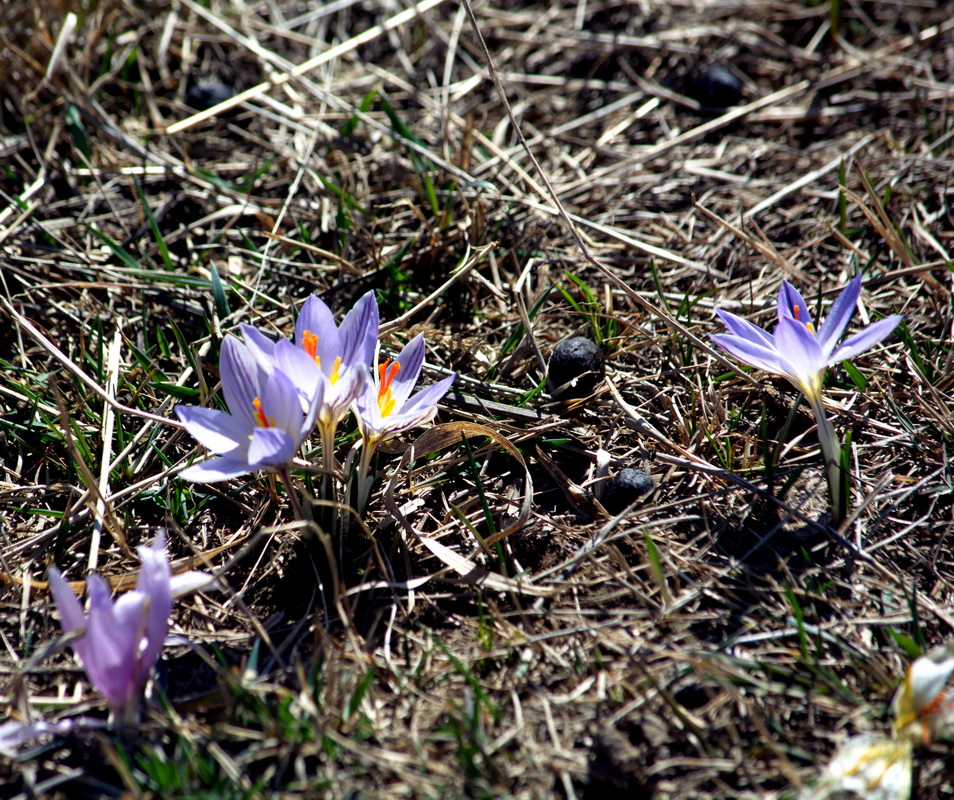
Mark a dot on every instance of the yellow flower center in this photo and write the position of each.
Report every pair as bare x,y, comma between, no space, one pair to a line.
386,373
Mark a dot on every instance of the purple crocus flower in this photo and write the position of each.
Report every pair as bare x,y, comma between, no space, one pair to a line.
120,641
266,424
801,354
324,361
385,408
796,351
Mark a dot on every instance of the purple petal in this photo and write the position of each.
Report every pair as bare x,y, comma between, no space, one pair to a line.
297,365
155,583
422,407
241,380
110,641
213,429
411,360
359,331
260,346
839,315
282,405
341,394
866,338
745,329
128,623
801,351
314,408
110,661
792,305
15,734
753,354
316,318
216,469
271,447
366,407
72,617
100,597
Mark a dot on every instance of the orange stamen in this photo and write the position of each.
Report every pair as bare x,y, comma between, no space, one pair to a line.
386,373
934,705
795,312
259,414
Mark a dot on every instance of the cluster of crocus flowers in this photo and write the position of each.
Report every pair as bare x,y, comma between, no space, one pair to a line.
118,642
328,365
278,392
800,353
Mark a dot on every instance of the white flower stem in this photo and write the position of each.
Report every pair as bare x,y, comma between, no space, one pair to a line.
831,451
363,481
327,436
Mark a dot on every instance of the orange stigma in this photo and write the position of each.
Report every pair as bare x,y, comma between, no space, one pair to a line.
309,343
387,372
259,414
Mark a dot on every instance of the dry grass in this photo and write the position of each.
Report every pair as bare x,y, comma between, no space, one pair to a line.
717,640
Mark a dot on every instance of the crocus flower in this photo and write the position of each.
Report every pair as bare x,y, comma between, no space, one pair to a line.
120,641
324,361
266,424
921,697
801,354
873,767
15,734
385,408
797,351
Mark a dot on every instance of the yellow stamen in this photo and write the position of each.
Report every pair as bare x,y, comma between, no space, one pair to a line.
386,401
334,369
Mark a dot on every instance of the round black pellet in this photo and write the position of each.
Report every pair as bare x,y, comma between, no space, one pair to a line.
624,487
577,358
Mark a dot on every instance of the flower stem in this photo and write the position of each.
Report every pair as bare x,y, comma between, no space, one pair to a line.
831,451
363,481
327,435
292,496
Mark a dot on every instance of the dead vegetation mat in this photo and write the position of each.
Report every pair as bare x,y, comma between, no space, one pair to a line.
716,640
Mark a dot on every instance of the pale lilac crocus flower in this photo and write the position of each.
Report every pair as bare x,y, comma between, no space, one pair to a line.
266,424
385,408
324,360
921,697
119,642
799,353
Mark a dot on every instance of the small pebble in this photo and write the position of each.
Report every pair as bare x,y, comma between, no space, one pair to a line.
717,86
205,94
624,487
573,358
